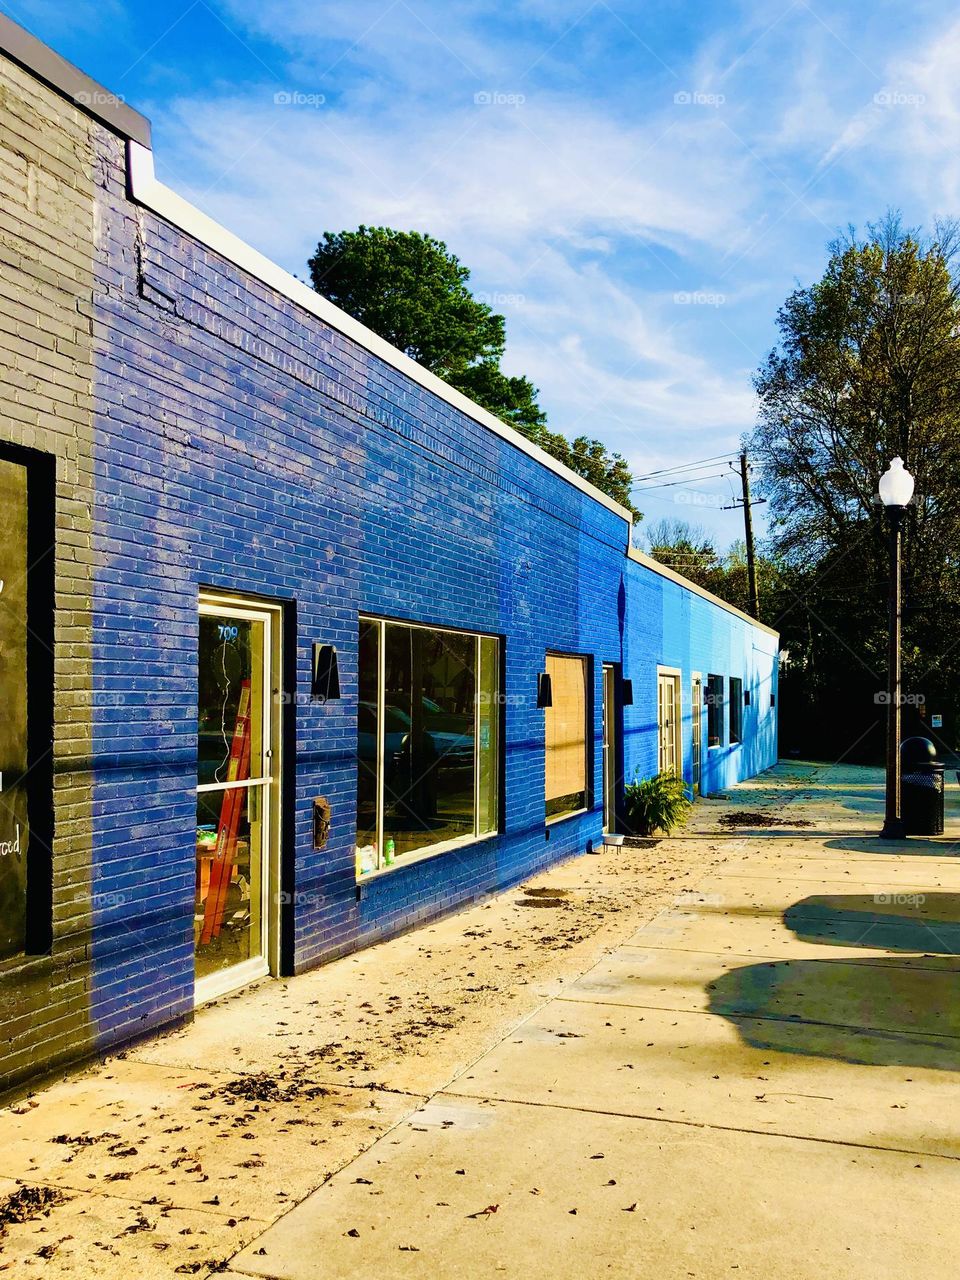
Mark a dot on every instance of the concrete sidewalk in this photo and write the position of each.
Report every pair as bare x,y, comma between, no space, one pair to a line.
732,1053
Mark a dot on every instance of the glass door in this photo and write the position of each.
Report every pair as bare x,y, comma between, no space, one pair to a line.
609,748
236,801
668,708
696,713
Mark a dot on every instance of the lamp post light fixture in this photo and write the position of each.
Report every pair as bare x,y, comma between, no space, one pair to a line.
896,490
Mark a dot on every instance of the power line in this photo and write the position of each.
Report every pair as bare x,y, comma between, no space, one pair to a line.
670,484
686,466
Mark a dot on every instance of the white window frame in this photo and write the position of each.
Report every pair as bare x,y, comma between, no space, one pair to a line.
677,675
738,740
696,677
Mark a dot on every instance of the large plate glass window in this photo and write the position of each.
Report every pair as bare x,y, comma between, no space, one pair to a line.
428,735
236,795
565,730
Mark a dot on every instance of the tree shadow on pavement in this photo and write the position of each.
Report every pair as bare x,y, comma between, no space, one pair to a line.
887,921
878,1010
873,1012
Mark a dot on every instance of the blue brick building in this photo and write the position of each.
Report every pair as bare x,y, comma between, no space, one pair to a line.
356,652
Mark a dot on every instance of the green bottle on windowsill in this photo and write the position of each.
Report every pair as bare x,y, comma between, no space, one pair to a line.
389,851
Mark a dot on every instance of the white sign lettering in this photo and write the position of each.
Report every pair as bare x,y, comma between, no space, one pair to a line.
11,846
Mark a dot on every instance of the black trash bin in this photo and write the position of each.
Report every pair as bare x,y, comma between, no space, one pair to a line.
921,788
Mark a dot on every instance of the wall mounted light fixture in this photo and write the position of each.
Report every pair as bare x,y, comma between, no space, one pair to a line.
544,690
325,682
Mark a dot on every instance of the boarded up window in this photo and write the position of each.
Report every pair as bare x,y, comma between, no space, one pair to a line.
566,735
14,830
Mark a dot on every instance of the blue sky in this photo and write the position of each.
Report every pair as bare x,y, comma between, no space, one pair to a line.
636,186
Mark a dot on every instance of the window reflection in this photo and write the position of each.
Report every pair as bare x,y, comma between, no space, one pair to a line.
228,885
230,837
424,777
368,735
429,736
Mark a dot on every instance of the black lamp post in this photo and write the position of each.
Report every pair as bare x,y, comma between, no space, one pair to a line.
896,490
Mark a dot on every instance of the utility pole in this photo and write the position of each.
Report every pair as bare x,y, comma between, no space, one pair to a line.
748,537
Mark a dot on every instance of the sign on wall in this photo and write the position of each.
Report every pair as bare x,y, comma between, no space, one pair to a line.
14,828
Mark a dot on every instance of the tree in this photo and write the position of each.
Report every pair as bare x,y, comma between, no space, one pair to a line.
690,550
410,289
867,367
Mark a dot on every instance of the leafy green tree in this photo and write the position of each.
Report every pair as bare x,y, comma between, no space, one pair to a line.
409,288
513,399
867,367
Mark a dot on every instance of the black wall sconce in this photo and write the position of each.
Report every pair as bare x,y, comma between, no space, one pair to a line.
325,683
773,699
544,689
746,697
626,693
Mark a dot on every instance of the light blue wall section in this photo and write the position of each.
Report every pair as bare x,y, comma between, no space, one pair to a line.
670,625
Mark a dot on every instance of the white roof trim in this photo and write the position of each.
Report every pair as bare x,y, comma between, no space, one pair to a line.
648,561
162,200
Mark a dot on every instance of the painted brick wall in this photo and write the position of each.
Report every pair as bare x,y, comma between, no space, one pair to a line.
47,175
246,447
240,444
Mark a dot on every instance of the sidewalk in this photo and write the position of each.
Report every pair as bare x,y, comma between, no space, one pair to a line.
733,1053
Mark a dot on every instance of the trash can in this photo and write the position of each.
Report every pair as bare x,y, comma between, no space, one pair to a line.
921,788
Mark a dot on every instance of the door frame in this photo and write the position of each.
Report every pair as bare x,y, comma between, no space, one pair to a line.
676,675
212,603
611,770
697,707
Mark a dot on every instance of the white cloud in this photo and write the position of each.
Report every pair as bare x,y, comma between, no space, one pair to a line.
593,202
540,200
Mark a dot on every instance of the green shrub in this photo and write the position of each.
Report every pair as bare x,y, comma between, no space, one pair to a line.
655,804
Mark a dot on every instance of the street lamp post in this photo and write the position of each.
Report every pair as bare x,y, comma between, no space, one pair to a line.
896,490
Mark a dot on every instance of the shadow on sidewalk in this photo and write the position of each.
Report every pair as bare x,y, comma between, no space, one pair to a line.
876,1011
871,1012
913,847
888,921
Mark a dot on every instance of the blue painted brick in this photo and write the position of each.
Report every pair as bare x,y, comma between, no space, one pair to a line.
256,450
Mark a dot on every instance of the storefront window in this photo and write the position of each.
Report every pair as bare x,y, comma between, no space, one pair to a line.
488,736
565,725
14,766
368,738
427,740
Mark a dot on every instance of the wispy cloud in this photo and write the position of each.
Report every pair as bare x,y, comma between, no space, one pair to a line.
635,184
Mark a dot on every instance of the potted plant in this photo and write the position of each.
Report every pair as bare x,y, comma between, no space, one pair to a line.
655,804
